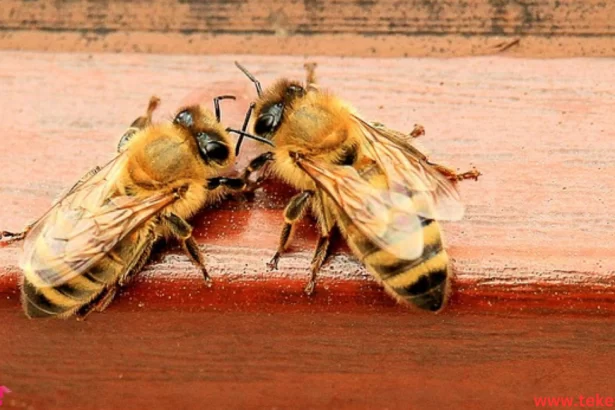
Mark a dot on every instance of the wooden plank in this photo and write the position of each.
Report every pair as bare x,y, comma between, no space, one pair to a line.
179,359
533,301
478,17
538,229
346,27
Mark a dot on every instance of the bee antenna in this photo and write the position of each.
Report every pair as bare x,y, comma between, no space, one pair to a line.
217,104
244,128
254,137
154,102
257,84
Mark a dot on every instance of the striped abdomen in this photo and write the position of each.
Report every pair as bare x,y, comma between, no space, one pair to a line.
79,294
423,281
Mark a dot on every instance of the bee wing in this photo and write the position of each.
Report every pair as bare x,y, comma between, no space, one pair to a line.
387,217
405,166
81,228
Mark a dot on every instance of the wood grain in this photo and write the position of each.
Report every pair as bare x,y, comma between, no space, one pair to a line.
533,303
345,27
178,359
538,228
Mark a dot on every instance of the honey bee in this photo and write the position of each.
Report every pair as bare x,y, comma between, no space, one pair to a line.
370,182
100,234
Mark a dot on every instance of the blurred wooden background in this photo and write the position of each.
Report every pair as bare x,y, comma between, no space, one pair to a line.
532,310
366,28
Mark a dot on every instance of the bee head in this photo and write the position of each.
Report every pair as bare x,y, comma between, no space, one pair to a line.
211,138
278,98
212,147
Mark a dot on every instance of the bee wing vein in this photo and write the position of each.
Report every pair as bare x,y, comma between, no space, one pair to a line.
81,228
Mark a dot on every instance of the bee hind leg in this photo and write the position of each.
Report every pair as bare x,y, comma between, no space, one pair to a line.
292,214
453,176
320,255
7,237
326,223
417,131
193,251
99,304
183,231
139,262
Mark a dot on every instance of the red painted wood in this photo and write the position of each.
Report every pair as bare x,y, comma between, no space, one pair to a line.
533,299
234,360
538,226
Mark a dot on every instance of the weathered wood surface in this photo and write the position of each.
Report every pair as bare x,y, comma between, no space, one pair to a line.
346,27
238,360
538,229
536,240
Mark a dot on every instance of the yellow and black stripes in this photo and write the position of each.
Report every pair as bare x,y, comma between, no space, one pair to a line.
80,293
60,301
422,281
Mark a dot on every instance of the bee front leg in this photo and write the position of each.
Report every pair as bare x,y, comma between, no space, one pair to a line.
292,214
234,184
256,164
183,231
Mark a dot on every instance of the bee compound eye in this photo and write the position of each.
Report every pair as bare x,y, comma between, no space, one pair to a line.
184,118
265,124
212,149
216,151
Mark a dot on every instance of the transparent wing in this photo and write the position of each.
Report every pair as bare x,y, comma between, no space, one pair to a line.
389,218
81,228
406,167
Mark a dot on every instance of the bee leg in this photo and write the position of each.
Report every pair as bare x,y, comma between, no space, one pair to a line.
234,184
453,176
197,258
256,164
417,131
320,255
106,299
183,231
7,237
100,303
139,261
326,224
294,212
